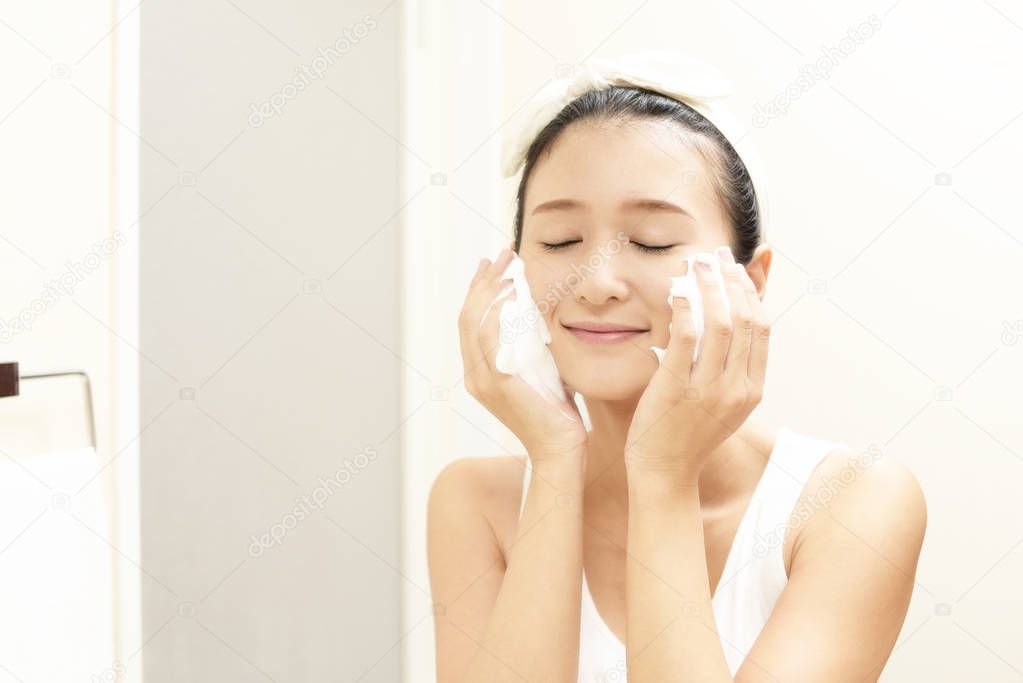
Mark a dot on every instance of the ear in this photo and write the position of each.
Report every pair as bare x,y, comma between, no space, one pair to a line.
759,267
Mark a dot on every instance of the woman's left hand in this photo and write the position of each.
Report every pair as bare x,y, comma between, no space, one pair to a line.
689,410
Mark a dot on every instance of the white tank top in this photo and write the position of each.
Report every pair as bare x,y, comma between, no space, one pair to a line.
754,573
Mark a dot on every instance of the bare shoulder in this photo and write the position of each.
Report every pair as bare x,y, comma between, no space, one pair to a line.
867,500
469,501
853,571
487,487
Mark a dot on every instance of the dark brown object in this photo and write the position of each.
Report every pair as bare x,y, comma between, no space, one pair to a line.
8,379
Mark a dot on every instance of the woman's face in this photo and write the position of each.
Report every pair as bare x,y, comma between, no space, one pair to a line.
585,194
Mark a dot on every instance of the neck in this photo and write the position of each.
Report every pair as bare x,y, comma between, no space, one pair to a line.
724,476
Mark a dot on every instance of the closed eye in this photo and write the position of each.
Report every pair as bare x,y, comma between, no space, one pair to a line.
642,247
560,245
651,249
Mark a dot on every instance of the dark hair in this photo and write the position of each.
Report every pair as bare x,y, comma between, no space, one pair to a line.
620,104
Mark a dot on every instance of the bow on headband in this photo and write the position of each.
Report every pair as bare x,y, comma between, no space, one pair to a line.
680,77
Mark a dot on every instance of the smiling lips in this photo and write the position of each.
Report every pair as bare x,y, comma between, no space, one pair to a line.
603,333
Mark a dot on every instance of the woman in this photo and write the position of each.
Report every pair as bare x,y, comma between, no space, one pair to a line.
674,538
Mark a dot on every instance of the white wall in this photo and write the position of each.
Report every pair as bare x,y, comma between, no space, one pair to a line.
900,344
270,318
453,95
69,549
296,270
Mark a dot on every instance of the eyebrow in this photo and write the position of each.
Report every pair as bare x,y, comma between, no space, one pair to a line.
641,204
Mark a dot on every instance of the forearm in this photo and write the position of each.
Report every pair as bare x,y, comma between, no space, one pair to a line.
671,631
533,632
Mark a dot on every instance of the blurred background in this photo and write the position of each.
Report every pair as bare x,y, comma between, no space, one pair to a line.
235,236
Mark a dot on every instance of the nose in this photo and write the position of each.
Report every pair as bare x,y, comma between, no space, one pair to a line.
598,281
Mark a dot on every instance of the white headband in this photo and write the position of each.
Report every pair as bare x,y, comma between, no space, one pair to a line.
680,77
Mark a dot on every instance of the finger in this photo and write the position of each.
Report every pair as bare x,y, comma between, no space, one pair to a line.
761,334
496,270
570,397
487,285
468,326
742,316
717,330
566,408
678,354
482,292
490,330
489,294
492,275
471,358
480,269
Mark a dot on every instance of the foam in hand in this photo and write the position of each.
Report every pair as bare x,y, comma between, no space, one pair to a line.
524,337
687,286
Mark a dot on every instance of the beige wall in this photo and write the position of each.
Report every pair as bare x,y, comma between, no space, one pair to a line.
269,314
299,275
917,279
68,536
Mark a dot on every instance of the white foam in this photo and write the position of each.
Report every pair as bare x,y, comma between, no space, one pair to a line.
524,337
687,286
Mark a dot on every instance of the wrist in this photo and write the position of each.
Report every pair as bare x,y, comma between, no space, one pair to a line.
653,493
569,463
647,474
562,474
553,454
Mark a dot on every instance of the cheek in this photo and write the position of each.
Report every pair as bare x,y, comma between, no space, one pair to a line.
550,282
551,286
543,287
653,282
653,288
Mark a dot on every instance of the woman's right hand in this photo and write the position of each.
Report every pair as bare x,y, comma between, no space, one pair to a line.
549,428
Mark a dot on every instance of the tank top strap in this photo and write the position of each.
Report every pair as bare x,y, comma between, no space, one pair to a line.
754,574
788,471
525,485
801,455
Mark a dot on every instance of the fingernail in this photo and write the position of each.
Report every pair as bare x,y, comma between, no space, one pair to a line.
725,254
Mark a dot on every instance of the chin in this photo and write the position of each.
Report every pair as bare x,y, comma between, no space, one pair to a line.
608,380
